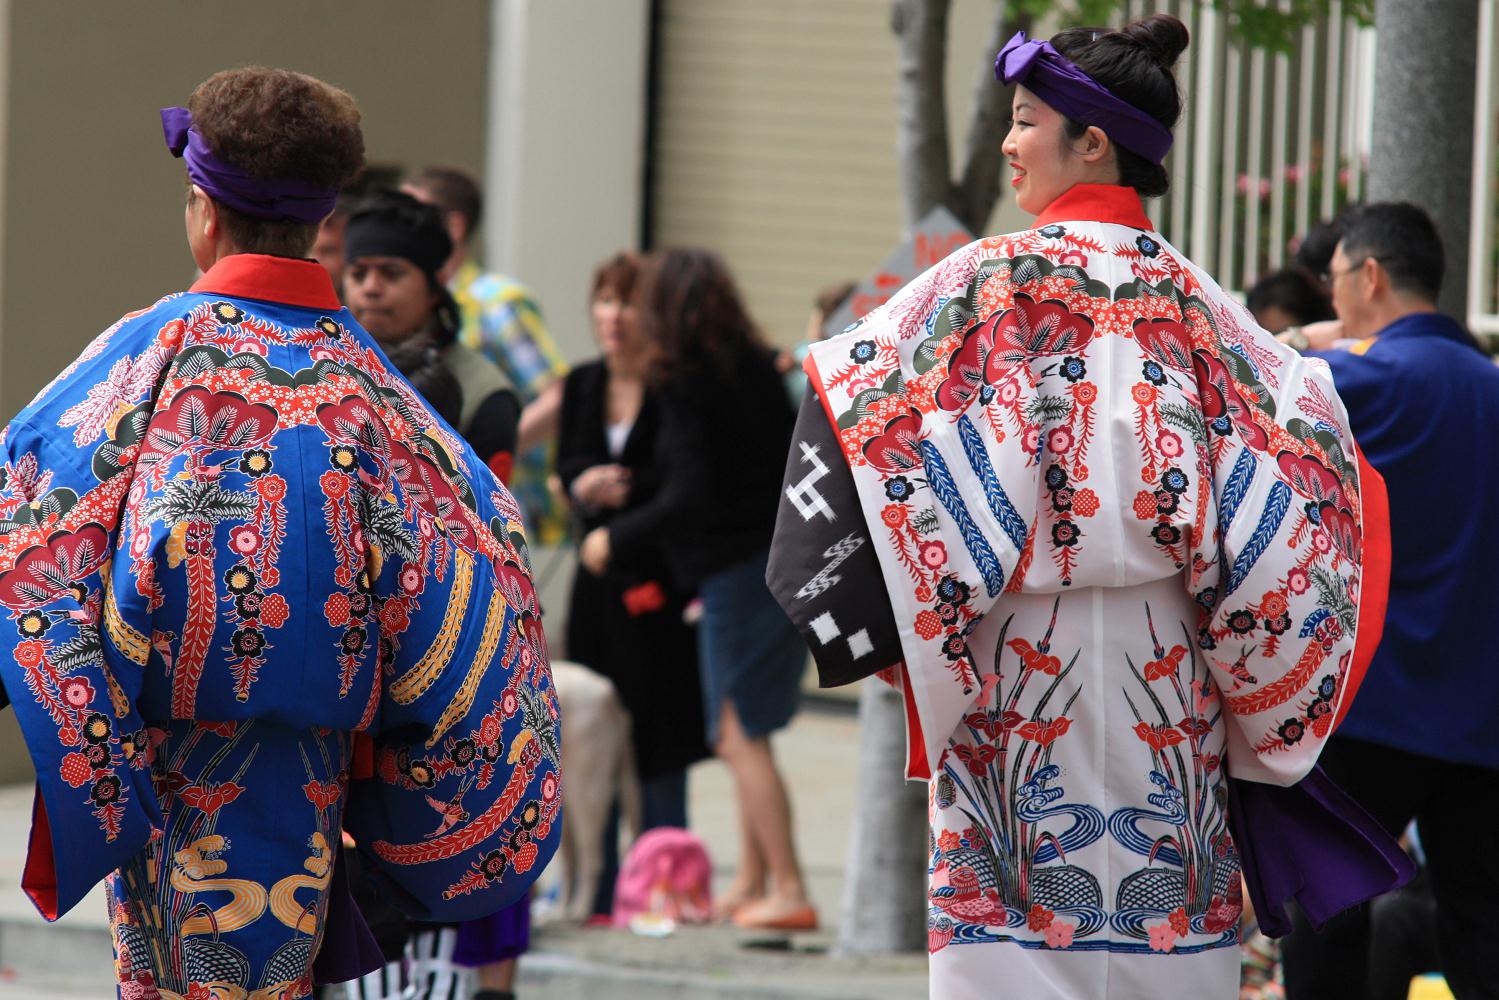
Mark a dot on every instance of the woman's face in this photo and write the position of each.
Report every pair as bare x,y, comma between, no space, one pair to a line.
614,323
1044,160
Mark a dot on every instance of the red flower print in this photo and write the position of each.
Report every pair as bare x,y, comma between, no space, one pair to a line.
1167,665
76,770
1059,934
894,515
895,449
1311,478
1085,393
212,797
1085,503
411,579
1159,737
322,793
335,484
1342,527
1210,762
1009,720
1179,922
1145,505
1162,936
76,691
1166,341
1059,440
928,625
1045,731
949,841
1031,442
932,554
981,722
272,489
1221,915
1169,444
524,859
1034,659
29,653
1273,605
245,540
977,759
1143,393
274,611
1039,918
1222,396
1194,727
1297,581
336,610
197,991
1032,328
549,787
1008,392
509,704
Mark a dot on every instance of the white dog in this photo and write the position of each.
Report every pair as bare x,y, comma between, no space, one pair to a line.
598,765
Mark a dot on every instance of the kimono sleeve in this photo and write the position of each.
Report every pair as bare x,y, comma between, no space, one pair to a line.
947,501
1291,615
72,658
462,810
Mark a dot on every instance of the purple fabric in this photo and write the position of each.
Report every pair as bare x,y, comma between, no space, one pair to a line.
348,950
1312,843
273,199
1047,73
495,938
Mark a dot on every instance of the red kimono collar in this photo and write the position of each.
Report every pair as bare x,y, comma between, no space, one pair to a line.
1097,203
286,280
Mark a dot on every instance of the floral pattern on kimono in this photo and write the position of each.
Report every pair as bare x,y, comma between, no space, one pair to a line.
231,509
1120,528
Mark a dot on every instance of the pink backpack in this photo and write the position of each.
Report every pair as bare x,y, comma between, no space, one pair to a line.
666,875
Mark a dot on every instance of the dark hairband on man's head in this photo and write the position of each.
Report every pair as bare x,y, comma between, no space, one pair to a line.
396,225
275,200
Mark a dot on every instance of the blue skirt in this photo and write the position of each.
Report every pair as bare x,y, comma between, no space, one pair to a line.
749,652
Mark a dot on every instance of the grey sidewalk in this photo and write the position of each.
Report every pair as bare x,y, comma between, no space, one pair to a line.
70,960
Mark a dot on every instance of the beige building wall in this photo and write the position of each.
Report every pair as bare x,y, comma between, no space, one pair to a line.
92,222
91,210
776,140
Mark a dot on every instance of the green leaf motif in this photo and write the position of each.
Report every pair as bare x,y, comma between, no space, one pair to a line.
1186,419
1048,409
1333,597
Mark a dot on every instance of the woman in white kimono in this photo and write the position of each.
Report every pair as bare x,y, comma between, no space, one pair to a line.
1121,532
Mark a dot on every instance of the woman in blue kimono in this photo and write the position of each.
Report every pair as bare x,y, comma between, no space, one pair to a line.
254,592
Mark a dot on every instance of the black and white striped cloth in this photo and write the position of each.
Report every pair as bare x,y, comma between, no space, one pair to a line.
426,972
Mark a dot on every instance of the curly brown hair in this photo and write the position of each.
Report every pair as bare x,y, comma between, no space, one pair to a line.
273,123
689,306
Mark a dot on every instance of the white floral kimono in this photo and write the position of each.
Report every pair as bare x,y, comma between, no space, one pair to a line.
1120,531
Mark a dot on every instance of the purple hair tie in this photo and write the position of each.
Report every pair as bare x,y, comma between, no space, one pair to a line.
1046,72
274,200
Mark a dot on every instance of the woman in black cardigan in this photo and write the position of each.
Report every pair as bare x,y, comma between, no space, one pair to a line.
726,431
625,622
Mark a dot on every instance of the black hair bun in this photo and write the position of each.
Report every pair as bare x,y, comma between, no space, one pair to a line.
1164,37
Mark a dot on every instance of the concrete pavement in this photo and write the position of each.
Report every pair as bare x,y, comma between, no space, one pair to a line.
70,960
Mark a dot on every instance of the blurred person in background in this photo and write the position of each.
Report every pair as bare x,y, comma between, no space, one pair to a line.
395,248
328,248
1287,298
626,623
1421,741
500,319
214,548
789,363
726,426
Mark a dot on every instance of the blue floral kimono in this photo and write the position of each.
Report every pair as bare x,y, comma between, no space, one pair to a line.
253,593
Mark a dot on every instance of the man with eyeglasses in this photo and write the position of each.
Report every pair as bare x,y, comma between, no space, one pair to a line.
1421,741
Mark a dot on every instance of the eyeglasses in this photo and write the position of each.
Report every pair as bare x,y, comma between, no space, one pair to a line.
1331,275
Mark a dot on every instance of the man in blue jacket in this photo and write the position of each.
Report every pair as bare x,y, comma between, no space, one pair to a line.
1421,740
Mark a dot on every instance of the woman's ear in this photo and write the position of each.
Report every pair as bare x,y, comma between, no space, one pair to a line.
1094,146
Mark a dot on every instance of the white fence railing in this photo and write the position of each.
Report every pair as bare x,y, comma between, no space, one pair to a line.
1270,143
1483,257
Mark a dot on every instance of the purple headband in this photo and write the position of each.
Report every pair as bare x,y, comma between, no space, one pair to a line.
276,199
1046,72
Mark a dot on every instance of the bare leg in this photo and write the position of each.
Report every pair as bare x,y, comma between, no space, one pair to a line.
498,976
749,881
765,813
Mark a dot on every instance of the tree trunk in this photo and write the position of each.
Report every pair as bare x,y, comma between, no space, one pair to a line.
884,889
1425,67
884,886
925,160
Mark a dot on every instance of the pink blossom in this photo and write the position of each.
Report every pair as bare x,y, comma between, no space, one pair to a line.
1076,257
1059,440
1059,934
1170,444
1008,392
1294,173
1297,581
1032,440
1321,542
1162,936
933,554
411,580
1242,184
250,347
245,540
1265,187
